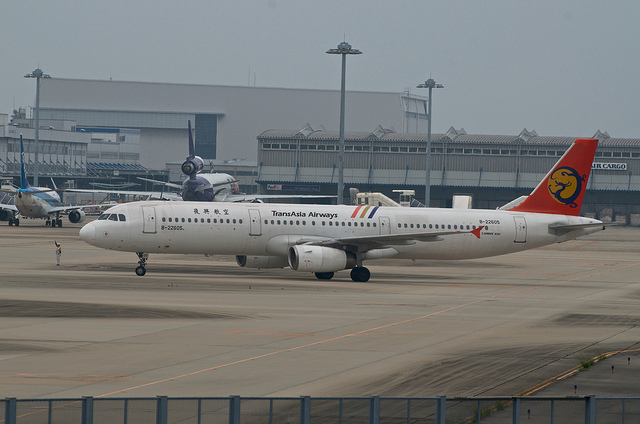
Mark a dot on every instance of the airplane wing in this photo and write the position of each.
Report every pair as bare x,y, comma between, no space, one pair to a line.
253,197
164,183
154,194
76,207
8,207
364,243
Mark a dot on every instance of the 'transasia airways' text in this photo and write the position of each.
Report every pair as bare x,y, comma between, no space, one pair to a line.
327,215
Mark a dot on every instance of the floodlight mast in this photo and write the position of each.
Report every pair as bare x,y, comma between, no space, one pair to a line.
343,49
38,75
430,84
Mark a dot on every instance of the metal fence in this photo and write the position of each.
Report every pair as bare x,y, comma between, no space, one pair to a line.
308,410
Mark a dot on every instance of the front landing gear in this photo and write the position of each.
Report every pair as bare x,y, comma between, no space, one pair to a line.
360,274
142,263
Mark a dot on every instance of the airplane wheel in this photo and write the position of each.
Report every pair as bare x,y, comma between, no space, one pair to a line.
360,274
59,223
324,275
16,222
140,271
10,222
53,223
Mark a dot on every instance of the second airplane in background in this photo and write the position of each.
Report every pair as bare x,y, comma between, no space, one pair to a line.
215,187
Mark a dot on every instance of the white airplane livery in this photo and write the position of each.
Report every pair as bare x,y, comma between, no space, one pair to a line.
325,239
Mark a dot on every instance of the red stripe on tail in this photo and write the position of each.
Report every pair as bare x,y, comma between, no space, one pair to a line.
561,191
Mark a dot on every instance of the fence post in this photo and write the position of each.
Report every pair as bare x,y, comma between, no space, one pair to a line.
10,411
162,409
87,410
441,410
234,409
305,409
516,410
590,410
374,410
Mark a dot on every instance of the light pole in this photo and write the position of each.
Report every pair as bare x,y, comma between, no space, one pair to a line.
344,49
430,84
37,74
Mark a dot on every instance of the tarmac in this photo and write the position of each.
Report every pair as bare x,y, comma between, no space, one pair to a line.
202,326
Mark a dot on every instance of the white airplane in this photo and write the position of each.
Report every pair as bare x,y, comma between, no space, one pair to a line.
38,202
324,239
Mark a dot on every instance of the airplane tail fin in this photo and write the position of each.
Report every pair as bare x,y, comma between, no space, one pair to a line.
192,146
24,183
561,191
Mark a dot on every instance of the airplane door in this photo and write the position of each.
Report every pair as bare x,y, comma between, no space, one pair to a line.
521,229
385,227
148,219
255,228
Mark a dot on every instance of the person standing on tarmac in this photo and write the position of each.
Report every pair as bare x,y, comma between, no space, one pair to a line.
58,252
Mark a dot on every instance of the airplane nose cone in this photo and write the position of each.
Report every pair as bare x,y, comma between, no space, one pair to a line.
88,233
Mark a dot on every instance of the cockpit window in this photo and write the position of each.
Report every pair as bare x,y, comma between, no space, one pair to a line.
112,217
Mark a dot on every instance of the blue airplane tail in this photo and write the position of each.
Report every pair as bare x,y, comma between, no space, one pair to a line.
24,183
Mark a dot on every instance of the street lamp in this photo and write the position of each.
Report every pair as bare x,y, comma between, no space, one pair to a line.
37,74
430,84
344,49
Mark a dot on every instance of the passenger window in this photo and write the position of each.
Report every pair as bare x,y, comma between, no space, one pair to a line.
374,224
189,220
330,223
437,227
273,222
239,221
284,222
368,224
449,226
208,220
297,222
228,221
169,219
164,219
399,225
411,225
124,218
234,221
182,219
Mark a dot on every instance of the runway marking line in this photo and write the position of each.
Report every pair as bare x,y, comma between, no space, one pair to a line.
582,245
358,333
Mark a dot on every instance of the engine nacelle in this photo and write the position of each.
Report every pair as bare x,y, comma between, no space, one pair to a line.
76,216
192,166
262,261
309,258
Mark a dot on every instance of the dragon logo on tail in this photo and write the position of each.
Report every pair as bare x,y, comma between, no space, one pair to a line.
565,185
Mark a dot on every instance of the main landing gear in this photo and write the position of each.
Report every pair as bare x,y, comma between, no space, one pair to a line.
359,274
142,263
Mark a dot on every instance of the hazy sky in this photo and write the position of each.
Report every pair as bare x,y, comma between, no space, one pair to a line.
563,68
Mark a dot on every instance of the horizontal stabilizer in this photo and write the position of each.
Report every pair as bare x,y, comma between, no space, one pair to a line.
560,229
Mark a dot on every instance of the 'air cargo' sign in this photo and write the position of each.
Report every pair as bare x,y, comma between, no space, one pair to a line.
609,166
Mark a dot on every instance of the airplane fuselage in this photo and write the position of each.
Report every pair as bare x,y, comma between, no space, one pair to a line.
270,229
36,205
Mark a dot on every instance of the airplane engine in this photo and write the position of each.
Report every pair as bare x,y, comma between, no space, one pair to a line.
76,216
262,261
4,215
191,166
308,258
